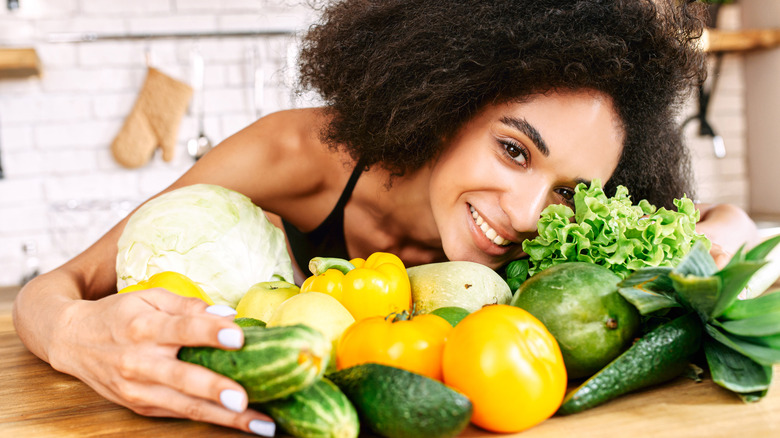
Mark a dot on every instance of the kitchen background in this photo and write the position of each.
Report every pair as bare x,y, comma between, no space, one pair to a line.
61,188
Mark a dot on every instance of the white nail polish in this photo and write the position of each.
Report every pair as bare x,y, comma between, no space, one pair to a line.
262,428
230,338
233,400
221,310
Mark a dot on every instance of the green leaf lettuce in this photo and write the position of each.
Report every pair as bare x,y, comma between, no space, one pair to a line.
613,232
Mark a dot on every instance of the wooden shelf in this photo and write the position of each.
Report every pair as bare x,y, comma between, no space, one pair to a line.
714,40
19,63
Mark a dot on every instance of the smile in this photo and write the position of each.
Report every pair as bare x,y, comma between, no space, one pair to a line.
490,233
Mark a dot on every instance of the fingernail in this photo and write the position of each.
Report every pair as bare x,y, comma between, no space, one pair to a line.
262,428
231,338
221,310
233,400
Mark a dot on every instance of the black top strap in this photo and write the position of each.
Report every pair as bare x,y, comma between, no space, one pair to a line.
327,240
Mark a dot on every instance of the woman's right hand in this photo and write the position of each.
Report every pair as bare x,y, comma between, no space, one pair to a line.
125,347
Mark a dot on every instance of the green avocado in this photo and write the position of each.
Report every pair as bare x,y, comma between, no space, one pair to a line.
396,403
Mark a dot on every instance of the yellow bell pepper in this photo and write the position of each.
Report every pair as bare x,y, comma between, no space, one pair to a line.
376,286
173,282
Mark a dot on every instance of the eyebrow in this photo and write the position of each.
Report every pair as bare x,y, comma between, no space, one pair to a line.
526,128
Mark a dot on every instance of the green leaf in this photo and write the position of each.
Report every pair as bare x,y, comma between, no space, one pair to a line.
734,279
772,341
656,279
516,273
735,371
760,251
738,257
752,397
762,354
741,309
762,325
649,290
698,293
698,262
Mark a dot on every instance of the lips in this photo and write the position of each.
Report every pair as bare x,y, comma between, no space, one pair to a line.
489,232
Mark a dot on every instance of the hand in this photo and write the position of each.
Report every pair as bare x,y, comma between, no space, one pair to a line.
728,228
124,346
720,255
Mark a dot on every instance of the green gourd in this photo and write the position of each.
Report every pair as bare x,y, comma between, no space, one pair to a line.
318,411
273,363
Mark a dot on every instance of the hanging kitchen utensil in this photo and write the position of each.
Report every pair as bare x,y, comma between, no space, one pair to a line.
200,145
704,95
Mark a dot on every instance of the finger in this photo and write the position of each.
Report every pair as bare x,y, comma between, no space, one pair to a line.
189,330
720,256
171,303
186,378
162,401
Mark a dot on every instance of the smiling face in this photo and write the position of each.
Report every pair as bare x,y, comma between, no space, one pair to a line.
496,175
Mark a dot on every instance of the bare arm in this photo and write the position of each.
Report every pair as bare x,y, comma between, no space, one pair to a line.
125,346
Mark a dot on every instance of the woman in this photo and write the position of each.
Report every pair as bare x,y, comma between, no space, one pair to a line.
449,126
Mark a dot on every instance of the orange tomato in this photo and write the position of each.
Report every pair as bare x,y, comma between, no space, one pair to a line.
510,367
413,344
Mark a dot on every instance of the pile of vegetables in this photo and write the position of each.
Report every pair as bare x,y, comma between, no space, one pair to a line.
425,351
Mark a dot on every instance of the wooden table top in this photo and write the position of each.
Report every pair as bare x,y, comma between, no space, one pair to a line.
37,401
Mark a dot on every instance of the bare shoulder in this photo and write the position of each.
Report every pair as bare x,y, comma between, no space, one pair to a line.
280,162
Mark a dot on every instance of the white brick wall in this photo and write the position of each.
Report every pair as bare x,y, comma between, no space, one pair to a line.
62,187
723,179
55,131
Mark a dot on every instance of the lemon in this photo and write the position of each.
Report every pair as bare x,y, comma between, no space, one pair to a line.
317,310
172,282
260,301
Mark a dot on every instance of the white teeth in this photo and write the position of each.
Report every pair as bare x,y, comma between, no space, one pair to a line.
490,233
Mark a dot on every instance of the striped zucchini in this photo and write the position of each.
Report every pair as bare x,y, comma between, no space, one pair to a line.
273,363
318,411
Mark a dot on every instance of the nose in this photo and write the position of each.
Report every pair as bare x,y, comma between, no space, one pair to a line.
524,204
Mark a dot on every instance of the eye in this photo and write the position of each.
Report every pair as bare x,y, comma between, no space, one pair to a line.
566,193
515,152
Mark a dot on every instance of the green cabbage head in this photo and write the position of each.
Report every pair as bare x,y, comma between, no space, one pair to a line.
215,236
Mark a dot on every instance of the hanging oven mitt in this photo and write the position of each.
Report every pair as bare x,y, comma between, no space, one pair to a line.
153,122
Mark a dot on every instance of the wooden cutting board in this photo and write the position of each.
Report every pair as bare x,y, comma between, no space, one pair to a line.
37,401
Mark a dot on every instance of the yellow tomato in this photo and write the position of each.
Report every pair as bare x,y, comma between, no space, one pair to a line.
414,344
510,367
173,282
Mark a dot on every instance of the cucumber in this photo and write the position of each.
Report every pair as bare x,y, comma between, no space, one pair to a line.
396,403
660,355
318,411
246,321
274,362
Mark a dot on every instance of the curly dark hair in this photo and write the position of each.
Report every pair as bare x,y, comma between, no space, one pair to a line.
399,76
